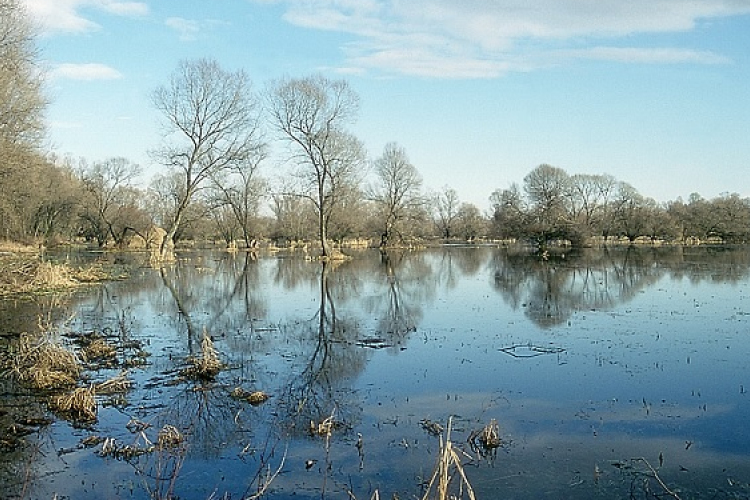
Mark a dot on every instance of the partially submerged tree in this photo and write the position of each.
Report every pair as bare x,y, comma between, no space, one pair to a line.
310,115
210,118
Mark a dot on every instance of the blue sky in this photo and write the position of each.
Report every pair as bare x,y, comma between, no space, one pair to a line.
478,92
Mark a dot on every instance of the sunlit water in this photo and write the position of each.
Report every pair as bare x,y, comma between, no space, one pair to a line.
586,362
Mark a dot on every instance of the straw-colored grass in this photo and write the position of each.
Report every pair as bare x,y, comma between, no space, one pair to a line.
116,385
255,398
207,365
447,468
99,349
41,363
80,405
169,437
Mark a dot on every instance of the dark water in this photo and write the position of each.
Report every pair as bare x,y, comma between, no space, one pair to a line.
587,362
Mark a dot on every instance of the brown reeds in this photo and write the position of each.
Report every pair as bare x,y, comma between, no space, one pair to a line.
255,398
169,437
41,363
448,466
118,384
80,405
207,365
99,350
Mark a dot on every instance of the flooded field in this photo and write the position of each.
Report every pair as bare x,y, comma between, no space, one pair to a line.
610,374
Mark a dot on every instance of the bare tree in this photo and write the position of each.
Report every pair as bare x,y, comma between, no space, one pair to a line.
310,114
21,99
241,190
397,192
108,199
446,204
211,124
546,188
22,105
509,213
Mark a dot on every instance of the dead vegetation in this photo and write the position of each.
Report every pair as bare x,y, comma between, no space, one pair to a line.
79,405
118,384
486,441
449,466
207,364
27,273
255,398
41,363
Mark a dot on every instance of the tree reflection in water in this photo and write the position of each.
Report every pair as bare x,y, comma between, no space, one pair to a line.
550,290
310,333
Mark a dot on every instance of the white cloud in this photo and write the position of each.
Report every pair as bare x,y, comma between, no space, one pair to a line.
484,38
65,16
187,28
85,72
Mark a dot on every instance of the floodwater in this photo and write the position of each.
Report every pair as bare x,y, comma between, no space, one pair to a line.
610,374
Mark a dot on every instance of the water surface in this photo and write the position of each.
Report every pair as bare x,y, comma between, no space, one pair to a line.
587,362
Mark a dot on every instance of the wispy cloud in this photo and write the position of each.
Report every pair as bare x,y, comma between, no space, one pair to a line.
485,38
187,28
85,72
66,16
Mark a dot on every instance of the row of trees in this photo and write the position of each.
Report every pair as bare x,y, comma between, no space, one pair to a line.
553,205
320,184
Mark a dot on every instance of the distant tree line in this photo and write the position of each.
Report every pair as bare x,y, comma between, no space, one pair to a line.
223,179
554,206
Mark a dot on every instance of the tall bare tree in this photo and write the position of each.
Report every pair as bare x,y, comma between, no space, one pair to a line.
396,193
22,102
22,105
310,115
446,204
211,125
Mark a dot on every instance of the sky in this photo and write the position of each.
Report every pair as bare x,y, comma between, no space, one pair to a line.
478,92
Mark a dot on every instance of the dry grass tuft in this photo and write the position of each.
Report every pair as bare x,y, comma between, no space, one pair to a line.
99,349
448,467
255,398
41,363
116,385
80,405
207,365
169,437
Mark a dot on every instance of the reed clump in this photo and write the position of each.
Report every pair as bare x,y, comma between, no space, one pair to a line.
255,398
206,365
169,437
80,405
41,363
99,350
